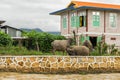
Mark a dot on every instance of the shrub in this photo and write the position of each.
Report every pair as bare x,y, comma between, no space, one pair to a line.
5,39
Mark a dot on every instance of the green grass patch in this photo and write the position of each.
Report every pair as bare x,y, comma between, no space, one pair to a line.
23,51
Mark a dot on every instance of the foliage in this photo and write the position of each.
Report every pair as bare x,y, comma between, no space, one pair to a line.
101,48
41,41
104,50
112,49
5,39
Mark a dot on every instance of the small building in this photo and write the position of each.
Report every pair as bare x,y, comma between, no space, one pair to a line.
91,21
12,32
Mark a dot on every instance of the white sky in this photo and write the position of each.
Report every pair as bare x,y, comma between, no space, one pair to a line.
35,13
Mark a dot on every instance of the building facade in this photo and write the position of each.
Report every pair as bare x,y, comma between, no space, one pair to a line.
91,21
12,32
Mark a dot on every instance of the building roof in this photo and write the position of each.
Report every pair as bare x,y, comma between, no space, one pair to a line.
92,4
6,26
1,22
87,5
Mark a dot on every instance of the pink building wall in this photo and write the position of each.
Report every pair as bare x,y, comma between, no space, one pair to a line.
103,29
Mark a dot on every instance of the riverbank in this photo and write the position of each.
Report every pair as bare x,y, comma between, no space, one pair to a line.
23,76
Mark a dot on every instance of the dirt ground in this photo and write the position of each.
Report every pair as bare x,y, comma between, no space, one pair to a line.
23,76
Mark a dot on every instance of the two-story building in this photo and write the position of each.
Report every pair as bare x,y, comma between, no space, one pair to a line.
91,21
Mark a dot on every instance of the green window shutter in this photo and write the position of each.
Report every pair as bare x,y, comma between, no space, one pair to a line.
84,21
82,39
98,21
64,23
72,21
113,23
87,38
99,38
77,21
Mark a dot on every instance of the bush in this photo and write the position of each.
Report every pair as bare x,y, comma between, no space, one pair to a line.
41,41
5,39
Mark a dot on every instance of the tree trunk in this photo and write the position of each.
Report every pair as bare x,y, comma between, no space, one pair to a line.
37,46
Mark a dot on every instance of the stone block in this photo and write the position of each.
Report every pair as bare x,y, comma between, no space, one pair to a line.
39,59
73,60
67,65
86,65
42,64
48,64
32,59
19,58
77,65
61,64
24,58
105,59
35,65
99,59
96,65
117,66
108,64
27,63
54,65
44,59
67,59
81,65
21,63
103,65
12,66
52,59
84,59
2,66
1,60
117,60
8,61
60,59
91,59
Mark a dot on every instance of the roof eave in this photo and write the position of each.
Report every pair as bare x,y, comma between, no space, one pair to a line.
62,10
81,7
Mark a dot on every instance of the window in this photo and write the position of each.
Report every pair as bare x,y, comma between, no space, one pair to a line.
64,21
96,19
113,38
112,19
82,17
73,20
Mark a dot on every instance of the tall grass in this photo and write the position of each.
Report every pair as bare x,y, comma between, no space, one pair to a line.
15,50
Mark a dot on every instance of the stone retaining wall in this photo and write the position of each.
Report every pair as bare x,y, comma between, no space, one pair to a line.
60,64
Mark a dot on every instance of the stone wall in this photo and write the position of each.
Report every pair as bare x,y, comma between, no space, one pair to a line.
60,64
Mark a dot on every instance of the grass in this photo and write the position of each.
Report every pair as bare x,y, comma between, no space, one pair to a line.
23,51
18,51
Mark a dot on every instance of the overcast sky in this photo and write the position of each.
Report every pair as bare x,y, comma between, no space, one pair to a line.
35,13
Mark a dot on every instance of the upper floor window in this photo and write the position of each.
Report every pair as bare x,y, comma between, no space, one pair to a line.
64,21
112,19
96,19
82,18
73,19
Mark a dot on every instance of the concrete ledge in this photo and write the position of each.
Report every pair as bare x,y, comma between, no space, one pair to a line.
60,64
